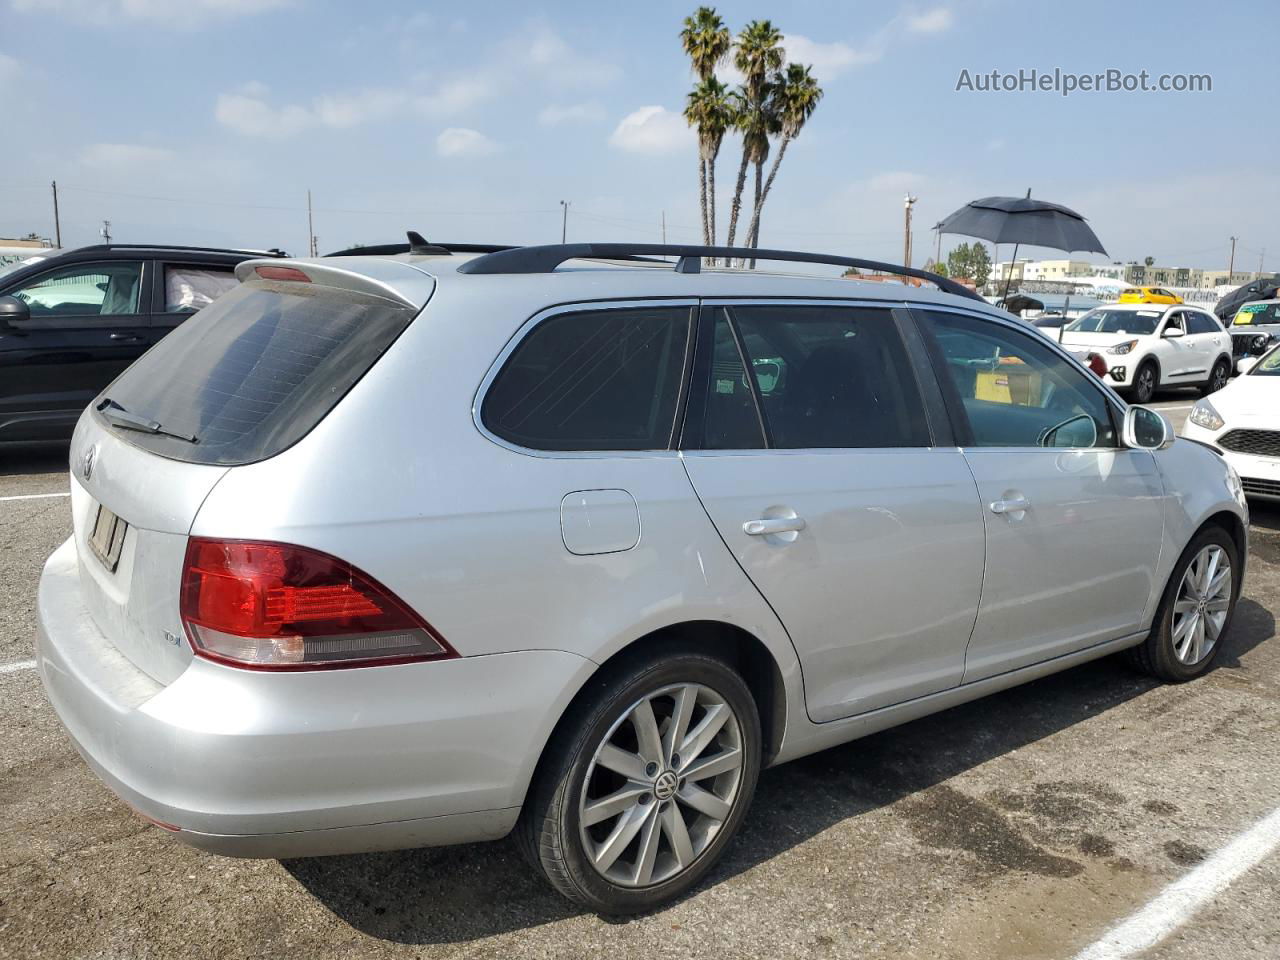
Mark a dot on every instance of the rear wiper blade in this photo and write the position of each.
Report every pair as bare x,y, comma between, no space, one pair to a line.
118,416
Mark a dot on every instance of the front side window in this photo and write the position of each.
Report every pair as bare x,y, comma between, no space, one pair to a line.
98,289
1015,391
1200,322
593,380
822,376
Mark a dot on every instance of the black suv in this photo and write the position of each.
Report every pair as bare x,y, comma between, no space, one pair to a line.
71,322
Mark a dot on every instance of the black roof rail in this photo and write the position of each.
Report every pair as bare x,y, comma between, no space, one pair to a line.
273,252
544,259
389,249
419,246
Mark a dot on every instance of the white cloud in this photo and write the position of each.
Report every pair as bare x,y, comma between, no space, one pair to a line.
937,20
248,111
343,110
182,15
125,157
464,142
454,96
896,181
9,68
254,117
652,130
555,114
829,60
547,53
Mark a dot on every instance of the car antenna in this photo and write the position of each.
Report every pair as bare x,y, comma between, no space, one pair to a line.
419,246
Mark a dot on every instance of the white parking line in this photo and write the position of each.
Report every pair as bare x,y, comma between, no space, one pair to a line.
37,496
1178,901
17,665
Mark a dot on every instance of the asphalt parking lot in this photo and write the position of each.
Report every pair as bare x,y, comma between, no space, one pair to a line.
1026,825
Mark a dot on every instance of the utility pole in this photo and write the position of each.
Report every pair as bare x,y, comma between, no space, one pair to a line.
311,229
664,229
106,231
937,256
57,224
1231,264
908,203
564,222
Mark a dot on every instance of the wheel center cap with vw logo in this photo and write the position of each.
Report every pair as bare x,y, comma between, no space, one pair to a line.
664,787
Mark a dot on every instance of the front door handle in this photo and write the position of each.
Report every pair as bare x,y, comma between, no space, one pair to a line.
764,527
1012,505
125,337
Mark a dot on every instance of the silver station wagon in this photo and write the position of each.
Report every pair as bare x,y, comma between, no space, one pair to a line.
430,547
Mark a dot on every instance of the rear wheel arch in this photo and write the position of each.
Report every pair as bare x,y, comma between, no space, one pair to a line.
738,648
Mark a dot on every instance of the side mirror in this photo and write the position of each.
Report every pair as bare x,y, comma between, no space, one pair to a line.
1245,364
1144,429
1173,333
1080,432
11,308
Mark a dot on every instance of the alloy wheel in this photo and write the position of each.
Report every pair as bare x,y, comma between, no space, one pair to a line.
1201,607
1219,377
661,785
1146,384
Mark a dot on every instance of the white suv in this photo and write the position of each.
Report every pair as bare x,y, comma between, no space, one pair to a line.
1147,346
398,550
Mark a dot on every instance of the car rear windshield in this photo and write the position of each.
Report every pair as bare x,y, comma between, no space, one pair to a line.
1139,322
254,372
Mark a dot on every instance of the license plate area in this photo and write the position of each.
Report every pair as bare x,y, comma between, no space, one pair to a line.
107,537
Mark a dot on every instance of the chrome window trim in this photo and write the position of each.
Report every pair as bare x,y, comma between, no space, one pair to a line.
523,331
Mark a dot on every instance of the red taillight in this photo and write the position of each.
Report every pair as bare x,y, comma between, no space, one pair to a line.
1095,363
274,606
282,273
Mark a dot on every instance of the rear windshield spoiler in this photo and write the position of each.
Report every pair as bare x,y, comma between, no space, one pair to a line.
391,279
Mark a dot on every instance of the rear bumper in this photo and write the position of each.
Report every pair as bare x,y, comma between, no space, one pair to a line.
248,763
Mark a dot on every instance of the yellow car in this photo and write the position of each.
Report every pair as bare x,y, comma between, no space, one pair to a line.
1149,295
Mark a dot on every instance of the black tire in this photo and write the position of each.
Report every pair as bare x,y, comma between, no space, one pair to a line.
1156,655
1146,381
548,832
1218,377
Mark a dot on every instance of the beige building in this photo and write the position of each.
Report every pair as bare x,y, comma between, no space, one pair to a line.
1055,270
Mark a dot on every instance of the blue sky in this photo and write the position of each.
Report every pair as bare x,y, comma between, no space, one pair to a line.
205,121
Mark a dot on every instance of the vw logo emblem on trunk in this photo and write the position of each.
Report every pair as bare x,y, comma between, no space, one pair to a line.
86,463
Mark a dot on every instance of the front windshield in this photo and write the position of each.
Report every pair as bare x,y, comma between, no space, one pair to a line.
1104,320
1269,366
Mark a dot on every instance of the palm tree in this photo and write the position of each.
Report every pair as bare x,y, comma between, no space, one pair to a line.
706,40
795,96
758,57
710,109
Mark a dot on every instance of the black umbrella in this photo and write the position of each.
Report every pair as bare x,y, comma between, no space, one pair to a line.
1019,302
1019,220
1261,289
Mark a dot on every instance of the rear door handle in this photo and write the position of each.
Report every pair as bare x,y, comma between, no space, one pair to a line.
1012,505
126,337
760,528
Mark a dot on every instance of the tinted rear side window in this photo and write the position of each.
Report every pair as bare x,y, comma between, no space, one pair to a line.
825,376
594,380
251,374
